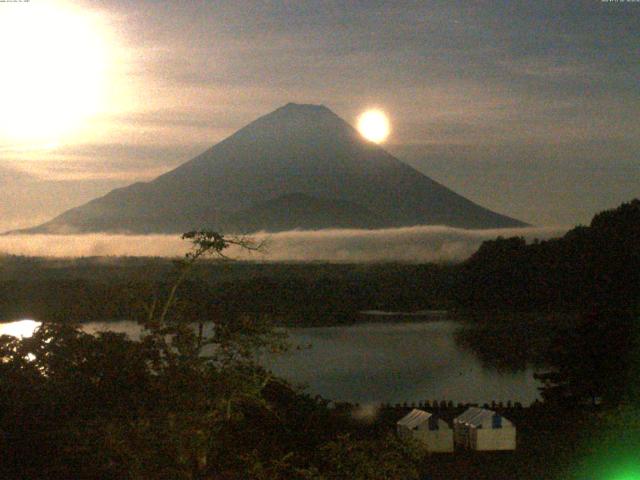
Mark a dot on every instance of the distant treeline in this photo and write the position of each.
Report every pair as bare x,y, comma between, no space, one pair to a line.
290,293
591,268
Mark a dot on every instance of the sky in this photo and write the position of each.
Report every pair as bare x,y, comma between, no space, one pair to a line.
527,108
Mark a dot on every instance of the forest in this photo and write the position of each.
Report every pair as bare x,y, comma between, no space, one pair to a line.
181,404
91,289
591,268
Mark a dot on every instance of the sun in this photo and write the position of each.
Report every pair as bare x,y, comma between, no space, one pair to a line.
54,62
374,126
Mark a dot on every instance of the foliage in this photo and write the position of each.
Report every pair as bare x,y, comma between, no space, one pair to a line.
512,342
381,459
590,268
95,289
185,400
593,361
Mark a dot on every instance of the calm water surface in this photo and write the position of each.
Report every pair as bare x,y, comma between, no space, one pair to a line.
393,361
396,362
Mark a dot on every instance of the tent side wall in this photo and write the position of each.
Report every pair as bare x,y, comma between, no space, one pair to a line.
493,439
461,435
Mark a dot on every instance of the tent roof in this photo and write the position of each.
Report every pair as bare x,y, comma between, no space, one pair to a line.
477,416
468,414
414,418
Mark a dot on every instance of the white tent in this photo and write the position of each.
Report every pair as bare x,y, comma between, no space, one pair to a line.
434,433
482,429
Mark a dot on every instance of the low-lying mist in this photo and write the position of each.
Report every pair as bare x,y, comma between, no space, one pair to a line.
410,244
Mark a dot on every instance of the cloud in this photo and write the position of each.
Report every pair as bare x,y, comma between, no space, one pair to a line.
11,175
478,74
103,161
410,244
494,69
542,184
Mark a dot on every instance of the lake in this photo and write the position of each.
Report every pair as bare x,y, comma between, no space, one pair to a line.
382,361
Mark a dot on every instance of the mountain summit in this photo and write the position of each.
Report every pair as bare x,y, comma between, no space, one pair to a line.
300,166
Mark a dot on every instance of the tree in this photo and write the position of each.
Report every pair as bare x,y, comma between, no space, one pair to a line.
62,389
347,458
149,407
592,361
204,375
187,400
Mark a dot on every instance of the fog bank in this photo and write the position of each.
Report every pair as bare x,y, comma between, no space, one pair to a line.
410,244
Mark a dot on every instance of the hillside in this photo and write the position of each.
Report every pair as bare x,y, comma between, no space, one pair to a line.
592,268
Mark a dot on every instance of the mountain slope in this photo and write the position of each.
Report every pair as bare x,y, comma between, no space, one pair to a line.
299,211
297,149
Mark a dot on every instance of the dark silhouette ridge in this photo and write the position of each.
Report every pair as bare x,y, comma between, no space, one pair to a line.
592,269
338,178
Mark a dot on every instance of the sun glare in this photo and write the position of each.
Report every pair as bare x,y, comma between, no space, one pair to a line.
21,328
374,126
55,64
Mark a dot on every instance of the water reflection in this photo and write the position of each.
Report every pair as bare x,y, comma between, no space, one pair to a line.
20,328
393,361
507,347
397,361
